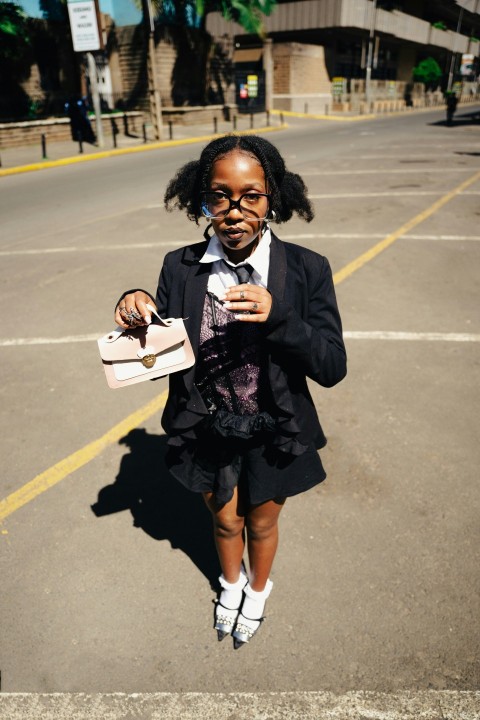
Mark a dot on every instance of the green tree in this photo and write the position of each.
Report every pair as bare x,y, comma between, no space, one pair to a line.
192,13
14,35
15,60
428,72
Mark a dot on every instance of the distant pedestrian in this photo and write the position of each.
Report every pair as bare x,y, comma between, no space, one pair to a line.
81,128
262,318
452,102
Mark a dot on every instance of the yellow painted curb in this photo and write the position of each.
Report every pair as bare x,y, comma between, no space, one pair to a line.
126,151
333,118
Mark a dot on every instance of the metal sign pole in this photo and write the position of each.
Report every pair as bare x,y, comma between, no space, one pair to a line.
92,73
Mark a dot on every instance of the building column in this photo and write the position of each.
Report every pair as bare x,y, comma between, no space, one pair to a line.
268,68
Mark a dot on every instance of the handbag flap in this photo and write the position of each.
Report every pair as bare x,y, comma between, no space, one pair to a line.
127,345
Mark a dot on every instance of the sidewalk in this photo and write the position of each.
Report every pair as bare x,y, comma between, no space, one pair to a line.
30,156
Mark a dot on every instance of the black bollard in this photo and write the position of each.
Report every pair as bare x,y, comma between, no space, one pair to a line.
234,122
114,132
170,129
44,147
268,118
215,125
80,141
251,121
281,118
144,128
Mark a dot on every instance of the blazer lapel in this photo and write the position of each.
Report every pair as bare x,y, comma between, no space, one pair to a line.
277,271
194,292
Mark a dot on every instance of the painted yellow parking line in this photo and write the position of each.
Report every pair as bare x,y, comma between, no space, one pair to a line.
361,260
78,459
73,462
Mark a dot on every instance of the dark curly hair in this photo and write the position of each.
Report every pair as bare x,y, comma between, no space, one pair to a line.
287,190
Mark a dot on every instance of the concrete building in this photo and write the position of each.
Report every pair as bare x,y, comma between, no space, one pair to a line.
319,42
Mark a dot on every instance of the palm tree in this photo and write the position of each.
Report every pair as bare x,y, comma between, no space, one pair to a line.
192,13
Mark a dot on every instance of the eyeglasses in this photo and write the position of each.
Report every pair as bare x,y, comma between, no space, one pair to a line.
216,204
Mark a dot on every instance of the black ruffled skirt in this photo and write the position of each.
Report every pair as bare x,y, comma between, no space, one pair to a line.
231,452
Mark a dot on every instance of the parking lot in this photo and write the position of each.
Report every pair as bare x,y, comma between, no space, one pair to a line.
376,580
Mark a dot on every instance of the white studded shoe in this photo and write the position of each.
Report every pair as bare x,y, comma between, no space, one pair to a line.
225,617
246,627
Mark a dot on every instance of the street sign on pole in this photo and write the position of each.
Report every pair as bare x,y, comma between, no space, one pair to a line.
86,38
84,25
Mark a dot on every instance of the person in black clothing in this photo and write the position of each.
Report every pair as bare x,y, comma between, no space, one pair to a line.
262,317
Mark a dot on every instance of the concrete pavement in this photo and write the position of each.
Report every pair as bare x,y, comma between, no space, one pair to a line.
382,559
426,705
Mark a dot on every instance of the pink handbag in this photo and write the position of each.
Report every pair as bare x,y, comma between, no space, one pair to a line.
145,353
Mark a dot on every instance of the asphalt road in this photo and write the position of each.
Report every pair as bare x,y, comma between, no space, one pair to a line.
376,579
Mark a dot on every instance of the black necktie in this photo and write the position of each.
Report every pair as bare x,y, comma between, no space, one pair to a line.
243,272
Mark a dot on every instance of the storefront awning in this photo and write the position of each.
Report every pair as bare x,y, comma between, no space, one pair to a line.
247,55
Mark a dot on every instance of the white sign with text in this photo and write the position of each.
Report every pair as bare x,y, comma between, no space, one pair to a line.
84,26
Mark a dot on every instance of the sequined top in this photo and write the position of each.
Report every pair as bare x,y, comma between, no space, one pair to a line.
229,366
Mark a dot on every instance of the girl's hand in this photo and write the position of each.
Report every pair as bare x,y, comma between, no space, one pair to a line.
252,302
132,310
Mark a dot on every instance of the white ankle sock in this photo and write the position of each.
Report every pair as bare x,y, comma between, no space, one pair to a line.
254,602
232,593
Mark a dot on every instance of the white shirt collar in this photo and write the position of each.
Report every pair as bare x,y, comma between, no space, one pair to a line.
221,277
259,259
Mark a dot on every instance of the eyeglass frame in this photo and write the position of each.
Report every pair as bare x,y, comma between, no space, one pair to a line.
233,204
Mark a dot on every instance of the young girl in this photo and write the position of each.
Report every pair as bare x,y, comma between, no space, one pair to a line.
262,317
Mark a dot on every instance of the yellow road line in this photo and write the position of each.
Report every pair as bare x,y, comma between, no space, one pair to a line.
127,151
78,459
361,260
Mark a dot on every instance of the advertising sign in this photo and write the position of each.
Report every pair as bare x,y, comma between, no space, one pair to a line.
84,25
467,66
252,86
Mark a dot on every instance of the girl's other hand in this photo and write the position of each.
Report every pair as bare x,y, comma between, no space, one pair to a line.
132,310
252,302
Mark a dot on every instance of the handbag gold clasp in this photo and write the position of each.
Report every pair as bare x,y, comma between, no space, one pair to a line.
148,361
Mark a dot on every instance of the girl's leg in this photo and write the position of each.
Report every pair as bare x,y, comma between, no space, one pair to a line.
229,528
262,538
229,532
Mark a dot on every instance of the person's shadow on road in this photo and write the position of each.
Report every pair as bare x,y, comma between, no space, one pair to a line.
159,504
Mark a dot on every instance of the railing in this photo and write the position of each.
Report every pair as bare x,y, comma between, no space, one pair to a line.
53,104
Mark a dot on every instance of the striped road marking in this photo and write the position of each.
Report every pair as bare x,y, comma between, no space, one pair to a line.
353,705
347,334
415,336
73,462
389,193
386,171
181,243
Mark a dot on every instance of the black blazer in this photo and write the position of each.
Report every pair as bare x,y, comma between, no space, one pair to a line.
303,338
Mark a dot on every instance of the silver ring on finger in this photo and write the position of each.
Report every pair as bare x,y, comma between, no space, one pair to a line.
242,295
255,306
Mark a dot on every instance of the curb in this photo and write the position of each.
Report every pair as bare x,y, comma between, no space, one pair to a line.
130,150
355,705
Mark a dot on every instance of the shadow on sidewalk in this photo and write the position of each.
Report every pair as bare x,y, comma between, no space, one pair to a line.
159,504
